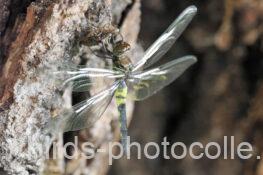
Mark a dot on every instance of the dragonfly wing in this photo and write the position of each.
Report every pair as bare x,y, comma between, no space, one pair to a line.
82,79
144,84
89,111
167,39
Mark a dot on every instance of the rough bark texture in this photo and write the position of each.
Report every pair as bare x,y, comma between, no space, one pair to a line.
221,95
38,38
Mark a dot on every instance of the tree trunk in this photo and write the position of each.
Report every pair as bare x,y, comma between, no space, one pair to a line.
38,38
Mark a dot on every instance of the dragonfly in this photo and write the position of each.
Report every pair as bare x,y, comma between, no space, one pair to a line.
136,81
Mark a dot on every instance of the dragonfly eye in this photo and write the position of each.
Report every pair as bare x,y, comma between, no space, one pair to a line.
120,48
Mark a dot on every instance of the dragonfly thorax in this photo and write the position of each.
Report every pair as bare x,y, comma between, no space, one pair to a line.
123,63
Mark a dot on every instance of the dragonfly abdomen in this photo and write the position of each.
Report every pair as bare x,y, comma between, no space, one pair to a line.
120,96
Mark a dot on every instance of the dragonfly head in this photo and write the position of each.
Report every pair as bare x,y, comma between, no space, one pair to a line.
120,48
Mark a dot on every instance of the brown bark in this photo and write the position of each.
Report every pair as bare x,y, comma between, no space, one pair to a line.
34,43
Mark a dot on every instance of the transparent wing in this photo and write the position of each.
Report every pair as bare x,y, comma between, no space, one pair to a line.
167,39
145,84
82,79
87,112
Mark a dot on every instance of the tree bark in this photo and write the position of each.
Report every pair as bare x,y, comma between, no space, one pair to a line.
38,38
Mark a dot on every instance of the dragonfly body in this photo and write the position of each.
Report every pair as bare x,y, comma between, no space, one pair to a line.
130,80
122,62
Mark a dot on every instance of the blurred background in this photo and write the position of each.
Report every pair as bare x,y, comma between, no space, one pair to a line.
221,95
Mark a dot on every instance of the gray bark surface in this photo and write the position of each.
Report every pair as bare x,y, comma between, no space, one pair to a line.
36,39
